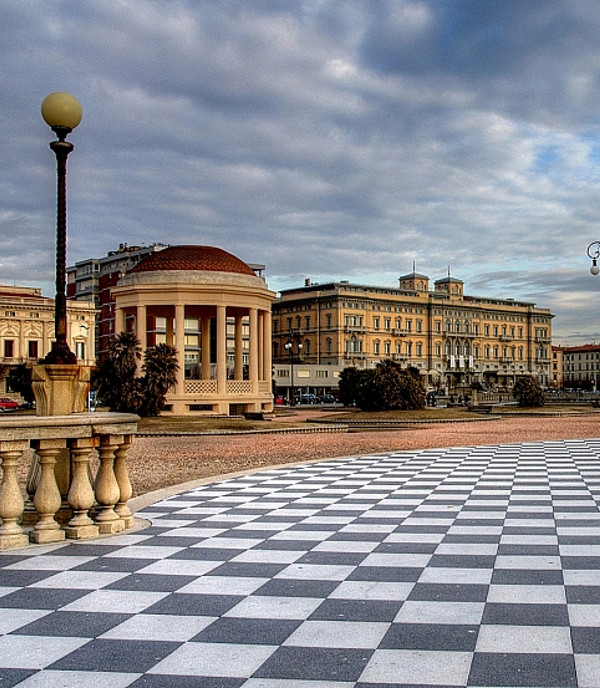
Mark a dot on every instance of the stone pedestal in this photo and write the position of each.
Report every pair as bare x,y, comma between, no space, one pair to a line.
60,389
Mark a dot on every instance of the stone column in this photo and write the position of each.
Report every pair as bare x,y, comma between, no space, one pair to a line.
205,353
267,350
107,488
221,350
180,346
141,332
122,476
11,499
254,356
81,495
47,498
238,372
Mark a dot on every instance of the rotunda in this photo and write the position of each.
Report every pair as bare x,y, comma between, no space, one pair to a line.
216,311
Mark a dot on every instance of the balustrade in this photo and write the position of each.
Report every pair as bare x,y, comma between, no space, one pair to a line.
67,501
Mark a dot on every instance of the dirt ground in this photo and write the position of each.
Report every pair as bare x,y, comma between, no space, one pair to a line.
158,462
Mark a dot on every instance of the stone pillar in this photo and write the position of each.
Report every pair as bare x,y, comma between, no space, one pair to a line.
122,476
206,348
267,349
47,498
239,348
141,332
11,499
221,350
81,495
180,346
254,356
107,488
119,321
60,389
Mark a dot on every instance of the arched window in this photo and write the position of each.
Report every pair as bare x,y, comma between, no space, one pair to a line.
328,345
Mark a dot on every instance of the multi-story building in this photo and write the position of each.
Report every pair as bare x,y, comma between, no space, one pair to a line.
557,381
93,280
453,339
581,366
27,327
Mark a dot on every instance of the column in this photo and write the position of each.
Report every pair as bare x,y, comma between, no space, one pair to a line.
239,348
267,350
180,346
119,321
107,488
221,350
81,495
206,348
11,499
261,346
254,349
47,498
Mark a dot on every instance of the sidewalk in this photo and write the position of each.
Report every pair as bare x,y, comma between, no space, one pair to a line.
475,566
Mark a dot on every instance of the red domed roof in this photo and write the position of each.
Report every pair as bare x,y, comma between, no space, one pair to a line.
205,258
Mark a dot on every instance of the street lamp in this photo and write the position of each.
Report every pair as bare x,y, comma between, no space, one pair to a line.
62,112
593,251
289,347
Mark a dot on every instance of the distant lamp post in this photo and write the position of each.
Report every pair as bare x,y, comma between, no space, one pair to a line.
62,112
289,347
593,251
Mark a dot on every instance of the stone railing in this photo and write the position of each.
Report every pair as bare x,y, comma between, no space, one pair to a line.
62,499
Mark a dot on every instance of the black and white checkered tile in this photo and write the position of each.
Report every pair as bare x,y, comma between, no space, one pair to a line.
471,566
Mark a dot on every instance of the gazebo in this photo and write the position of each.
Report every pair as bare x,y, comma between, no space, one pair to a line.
216,312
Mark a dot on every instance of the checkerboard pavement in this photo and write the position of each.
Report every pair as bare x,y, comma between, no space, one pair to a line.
472,566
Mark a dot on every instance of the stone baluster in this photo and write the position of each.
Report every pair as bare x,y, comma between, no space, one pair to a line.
107,488
81,494
11,499
47,498
122,477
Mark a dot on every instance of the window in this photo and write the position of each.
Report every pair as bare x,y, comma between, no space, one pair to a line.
419,349
376,321
307,322
9,348
387,324
10,314
376,347
387,348
32,349
328,345
79,350
328,320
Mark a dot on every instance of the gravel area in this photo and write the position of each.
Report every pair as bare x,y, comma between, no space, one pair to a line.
159,462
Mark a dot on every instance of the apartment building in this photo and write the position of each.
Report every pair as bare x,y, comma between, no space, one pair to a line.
27,327
581,367
455,340
93,280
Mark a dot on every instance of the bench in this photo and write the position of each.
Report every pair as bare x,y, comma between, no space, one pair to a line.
481,408
255,415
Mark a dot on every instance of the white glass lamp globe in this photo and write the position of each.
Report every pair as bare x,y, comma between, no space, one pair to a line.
62,110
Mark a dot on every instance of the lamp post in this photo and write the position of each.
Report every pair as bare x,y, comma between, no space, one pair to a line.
593,251
289,347
62,112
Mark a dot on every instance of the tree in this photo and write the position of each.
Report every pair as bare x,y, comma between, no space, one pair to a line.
115,380
19,381
160,375
386,387
528,393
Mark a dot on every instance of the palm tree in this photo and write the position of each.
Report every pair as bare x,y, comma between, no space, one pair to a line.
160,375
115,380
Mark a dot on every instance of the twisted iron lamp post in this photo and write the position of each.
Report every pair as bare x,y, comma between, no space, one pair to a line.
593,251
62,112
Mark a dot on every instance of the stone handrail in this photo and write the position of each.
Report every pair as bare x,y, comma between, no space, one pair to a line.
64,500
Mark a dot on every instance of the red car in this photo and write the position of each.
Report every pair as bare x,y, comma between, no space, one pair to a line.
7,404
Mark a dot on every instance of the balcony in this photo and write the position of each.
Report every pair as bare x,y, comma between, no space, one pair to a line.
61,500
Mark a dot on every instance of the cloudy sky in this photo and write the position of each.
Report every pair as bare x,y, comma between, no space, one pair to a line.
326,139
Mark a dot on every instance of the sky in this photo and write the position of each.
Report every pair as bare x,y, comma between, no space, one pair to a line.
326,139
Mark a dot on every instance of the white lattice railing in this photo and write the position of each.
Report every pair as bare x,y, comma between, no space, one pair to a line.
239,387
200,386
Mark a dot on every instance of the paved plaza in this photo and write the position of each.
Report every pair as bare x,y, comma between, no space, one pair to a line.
472,566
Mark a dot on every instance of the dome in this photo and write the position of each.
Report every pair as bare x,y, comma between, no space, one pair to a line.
193,258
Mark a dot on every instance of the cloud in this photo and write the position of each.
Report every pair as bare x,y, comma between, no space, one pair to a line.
326,139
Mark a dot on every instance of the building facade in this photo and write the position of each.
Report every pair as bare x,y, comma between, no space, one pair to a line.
93,280
27,327
581,367
453,339
216,312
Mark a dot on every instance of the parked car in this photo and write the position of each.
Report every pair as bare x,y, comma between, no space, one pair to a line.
7,404
328,399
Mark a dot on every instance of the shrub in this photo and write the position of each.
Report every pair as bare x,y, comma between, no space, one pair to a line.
528,393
